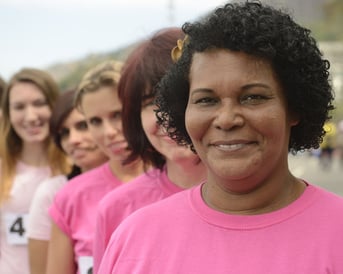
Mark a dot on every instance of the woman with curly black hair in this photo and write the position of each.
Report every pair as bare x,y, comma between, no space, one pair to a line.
248,87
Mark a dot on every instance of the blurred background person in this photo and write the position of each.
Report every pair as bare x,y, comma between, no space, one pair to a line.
73,210
28,157
176,167
69,129
328,145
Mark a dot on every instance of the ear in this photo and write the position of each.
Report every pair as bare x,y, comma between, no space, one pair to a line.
294,119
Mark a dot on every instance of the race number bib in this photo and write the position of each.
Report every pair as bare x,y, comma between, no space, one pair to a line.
86,265
16,228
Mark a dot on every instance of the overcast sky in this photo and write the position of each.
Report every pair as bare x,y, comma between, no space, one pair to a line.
39,33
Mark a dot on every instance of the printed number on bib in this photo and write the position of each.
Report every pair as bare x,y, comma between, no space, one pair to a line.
16,228
85,265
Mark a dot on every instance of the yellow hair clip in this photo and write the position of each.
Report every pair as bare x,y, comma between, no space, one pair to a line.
177,50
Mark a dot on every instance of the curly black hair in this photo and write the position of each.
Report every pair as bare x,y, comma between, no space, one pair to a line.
263,31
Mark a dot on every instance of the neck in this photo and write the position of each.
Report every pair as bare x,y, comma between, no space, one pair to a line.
269,197
93,165
34,154
186,175
128,172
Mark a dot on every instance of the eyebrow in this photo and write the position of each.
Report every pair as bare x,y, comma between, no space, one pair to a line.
245,87
253,85
207,90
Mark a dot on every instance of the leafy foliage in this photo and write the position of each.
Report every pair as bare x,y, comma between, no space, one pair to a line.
69,75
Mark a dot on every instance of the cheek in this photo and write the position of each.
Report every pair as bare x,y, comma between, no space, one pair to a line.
15,116
149,122
64,145
273,125
44,113
13,119
194,123
88,139
47,113
96,133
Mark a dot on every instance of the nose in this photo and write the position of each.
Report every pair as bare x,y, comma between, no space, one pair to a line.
75,136
31,113
111,129
228,116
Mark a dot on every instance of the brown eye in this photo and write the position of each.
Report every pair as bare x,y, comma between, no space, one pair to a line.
82,126
40,103
64,133
117,115
95,121
253,99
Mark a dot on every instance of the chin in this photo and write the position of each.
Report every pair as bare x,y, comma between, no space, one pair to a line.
35,140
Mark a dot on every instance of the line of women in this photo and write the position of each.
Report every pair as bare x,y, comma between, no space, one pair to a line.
175,161
86,126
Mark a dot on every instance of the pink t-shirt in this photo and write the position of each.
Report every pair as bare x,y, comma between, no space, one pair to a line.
182,235
120,203
14,216
74,209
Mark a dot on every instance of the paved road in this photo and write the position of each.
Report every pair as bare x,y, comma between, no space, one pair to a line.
308,168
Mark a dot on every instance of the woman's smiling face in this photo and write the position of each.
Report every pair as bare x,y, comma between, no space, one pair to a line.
29,112
159,138
237,118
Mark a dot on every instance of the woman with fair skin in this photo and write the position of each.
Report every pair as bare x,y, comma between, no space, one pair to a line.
70,131
28,157
175,167
249,85
74,207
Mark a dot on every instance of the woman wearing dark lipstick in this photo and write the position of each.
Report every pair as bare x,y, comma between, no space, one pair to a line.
249,85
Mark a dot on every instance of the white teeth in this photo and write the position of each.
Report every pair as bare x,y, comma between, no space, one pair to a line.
230,147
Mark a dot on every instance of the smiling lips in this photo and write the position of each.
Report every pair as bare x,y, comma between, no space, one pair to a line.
118,146
233,145
79,152
33,130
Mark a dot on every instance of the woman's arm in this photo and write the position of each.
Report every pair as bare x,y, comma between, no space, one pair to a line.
38,255
60,253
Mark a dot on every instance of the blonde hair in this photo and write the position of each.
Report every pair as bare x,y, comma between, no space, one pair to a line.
104,74
11,144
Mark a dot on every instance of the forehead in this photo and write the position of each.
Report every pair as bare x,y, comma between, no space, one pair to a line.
229,73
22,91
74,116
100,102
216,63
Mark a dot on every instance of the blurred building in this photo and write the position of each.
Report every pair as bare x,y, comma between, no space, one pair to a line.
333,51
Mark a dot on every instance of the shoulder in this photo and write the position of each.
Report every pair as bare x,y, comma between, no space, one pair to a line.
133,191
164,210
146,181
325,207
328,198
324,193
82,181
51,185
47,190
